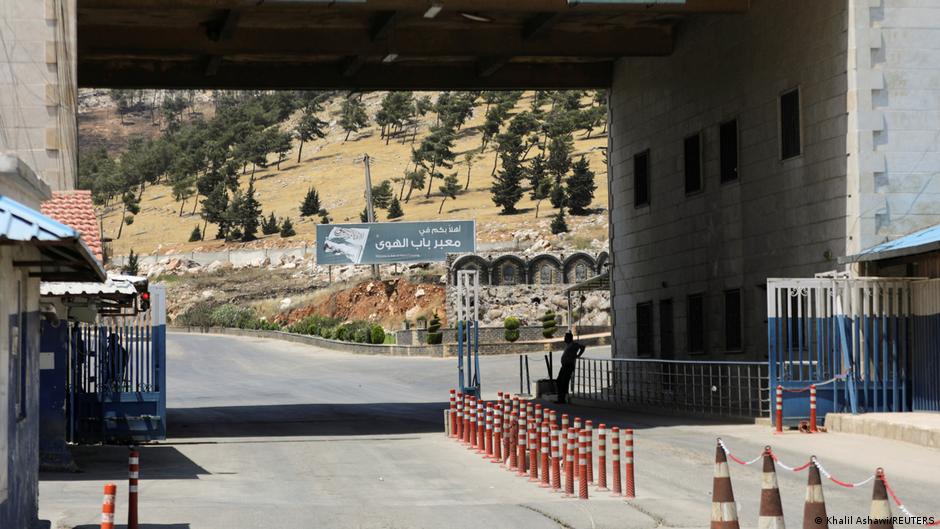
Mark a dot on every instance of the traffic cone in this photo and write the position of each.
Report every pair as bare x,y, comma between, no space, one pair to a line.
880,514
815,507
107,506
724,510
771,509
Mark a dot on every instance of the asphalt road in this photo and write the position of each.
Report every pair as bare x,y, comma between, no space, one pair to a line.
267,434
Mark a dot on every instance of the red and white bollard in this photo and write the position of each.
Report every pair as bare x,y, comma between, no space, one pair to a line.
564,432
589,426
533,451
779,409
472,442
630,484
583,466
521,455
458,429
576,424
569,464
538,414
497,434
544,449
615,459
133,476
812,408
453,412
467,414
481,427
553,418
488,439
511,435
107,506
556,463
602,457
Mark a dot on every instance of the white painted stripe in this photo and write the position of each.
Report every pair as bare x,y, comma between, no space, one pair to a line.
134,461
721,470
814,494
628,459
770,522
108,499
107,517
724,511
768,480
133,475
133,488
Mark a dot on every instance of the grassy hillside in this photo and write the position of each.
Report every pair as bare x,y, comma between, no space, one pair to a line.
334,168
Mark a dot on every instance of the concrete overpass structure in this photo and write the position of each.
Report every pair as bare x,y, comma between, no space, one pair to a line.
748,138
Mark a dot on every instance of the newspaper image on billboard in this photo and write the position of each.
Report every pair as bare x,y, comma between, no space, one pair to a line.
394,242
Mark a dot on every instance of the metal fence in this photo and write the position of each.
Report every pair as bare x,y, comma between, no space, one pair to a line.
736,389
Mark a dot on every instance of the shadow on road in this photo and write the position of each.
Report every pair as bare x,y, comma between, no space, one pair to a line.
109,463
141,526
306,420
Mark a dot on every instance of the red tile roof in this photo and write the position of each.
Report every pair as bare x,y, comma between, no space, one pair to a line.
75,209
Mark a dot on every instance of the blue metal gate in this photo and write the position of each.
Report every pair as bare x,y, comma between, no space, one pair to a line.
117,391
849,337
925,367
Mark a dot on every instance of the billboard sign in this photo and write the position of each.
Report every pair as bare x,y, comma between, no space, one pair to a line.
394,242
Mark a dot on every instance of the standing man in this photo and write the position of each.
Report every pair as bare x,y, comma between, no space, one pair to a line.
573,351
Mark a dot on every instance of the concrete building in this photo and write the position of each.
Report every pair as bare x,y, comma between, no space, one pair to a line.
37,154
768,144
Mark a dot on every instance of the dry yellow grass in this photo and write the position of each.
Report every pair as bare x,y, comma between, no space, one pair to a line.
334,168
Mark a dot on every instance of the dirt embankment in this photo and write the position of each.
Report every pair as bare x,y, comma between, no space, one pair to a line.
385,302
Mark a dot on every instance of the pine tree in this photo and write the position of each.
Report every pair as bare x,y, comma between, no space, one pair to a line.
539,181
132,266
270,225
558,223
196,234
234,216
450,189
382,195
507,187
580,188
309,126
213,210
250,213
311,204
353,116
394,209
364,215
287,228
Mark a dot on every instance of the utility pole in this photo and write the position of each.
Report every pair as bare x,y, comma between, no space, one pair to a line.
370,213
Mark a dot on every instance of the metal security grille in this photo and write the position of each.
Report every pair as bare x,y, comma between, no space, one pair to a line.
737,389
925,345
849,337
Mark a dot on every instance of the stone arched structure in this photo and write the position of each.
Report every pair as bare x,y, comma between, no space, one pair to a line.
603,261
579,267
508,270
468,262
545,269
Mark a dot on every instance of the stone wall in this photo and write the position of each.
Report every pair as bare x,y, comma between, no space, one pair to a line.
492,335
530,302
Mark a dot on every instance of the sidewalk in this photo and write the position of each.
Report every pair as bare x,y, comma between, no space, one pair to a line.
922,428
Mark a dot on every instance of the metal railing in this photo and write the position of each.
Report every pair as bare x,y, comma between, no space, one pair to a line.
736,389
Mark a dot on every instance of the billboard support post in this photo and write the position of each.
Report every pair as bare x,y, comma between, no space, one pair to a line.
370,213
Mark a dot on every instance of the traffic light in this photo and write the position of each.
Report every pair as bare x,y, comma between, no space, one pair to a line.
144,301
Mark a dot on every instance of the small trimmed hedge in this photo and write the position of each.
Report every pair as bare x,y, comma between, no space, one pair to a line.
207,314
511,324
334,329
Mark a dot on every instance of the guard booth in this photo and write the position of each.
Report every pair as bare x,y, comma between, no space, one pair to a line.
852,338
103,365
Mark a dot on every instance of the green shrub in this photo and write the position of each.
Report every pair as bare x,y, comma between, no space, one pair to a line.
435,335
511,324
549,324
229,315
198,315
377,334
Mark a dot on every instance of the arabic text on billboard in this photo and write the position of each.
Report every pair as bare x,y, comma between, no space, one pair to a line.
393,242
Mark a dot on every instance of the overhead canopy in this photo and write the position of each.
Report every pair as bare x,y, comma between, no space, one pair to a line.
598,282
64,256
926,240
373,44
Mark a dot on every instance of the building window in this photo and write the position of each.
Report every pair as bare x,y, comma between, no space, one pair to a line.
641,179
509,275
644,329
581,272
695,323
545,274
728,140
693,163
790,137
733,320
667,341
